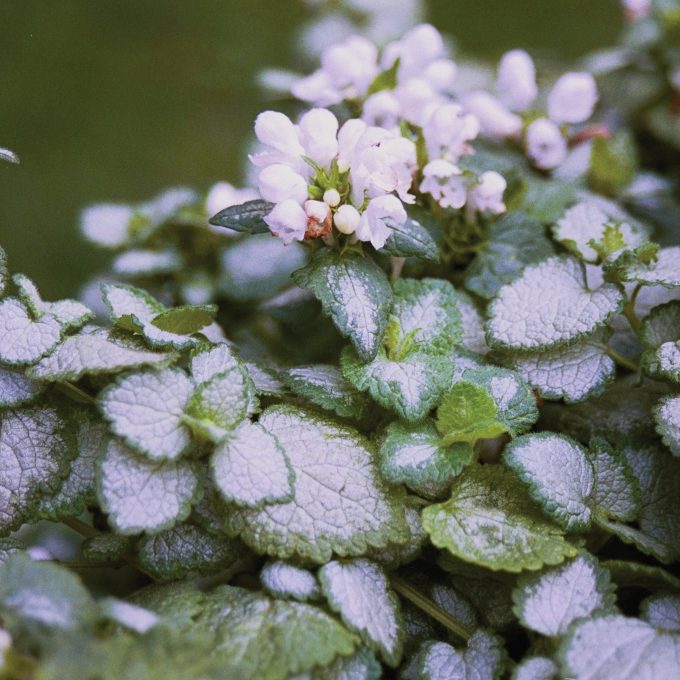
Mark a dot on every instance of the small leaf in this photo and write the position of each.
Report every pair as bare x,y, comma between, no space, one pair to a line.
251,469
35,450
662,612
550,601
613,163
515,240
482,660
94,351
108,547
536,668
70,314
185,320
410,239
574,373
586,222
661,325
39,594
140,495
664,271
340,504
185,551
4,271
414,455
246,217
385,80
221,403
411,387
472,321
359,591
667,418
9,156
637,575
145,409
427,311
355,293
285,580
24,340
324,385
490,521
17,389
619,648
207,361
550,306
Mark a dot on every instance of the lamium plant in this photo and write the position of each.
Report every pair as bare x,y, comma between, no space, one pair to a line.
409,406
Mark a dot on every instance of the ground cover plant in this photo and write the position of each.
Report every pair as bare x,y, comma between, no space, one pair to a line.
408,407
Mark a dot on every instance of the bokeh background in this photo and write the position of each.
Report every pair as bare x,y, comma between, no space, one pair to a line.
114,100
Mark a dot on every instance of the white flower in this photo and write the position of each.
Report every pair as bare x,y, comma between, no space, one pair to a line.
516,82
448,131
223,195
382,162
347,70
288,221
348,136
545,145
417,100
494,119
331,197
318,133
346,219
419,46
487,194
278,182
637,9
382,109
572,98
106,224
372,226
441,74
276,131
444,182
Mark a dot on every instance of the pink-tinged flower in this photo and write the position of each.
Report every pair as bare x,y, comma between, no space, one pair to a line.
546,147
319,219
572,98
444,182
288,221
487,194
373,227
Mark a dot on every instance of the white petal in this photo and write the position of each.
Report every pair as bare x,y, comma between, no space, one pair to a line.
573,98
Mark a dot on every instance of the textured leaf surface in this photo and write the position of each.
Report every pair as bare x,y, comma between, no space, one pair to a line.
572,373
340,504
619,648
186,550
246,217
536,668
550,306
427,311
42,594
141,495
667,418
286,580
17,389
515,241
559,474
550,601
661,325
24,340
482,660
585,222
209,360
410,239
145,409
490,521
664,272
662,612
474,339
254,636
95,351
411,387
414,455
35,450
325,386
355,293
78,489
251,468
359,591
69,313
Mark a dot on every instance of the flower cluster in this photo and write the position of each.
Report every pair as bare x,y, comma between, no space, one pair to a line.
511,113
319,174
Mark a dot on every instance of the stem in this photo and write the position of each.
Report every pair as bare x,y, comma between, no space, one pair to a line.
629,311
622,361
397,266
414,596
75,393
80,527
90,564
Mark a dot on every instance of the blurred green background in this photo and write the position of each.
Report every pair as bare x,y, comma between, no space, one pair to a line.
114,100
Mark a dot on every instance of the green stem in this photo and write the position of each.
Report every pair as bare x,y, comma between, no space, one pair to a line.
75,393
622,361
629,311
407,591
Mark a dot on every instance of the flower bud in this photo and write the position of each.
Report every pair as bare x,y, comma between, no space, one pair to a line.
516,82
331,197
347,219
572,98
545,145
319,219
